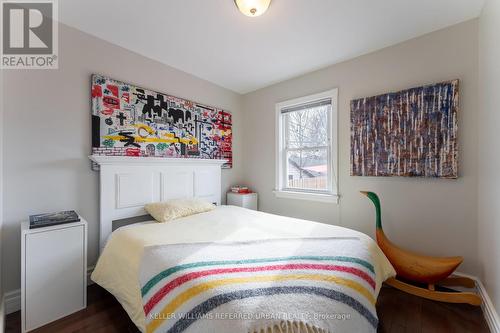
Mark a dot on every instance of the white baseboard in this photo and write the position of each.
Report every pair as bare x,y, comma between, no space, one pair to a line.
2,314
13,298
489,311
12,301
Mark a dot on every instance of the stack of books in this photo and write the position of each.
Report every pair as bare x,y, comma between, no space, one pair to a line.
240,189
45,220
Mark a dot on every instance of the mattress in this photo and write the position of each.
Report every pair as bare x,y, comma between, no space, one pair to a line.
117,269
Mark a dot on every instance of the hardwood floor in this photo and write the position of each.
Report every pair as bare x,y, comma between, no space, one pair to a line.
398,313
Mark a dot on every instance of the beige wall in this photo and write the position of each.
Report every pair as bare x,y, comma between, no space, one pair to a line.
48,137
489,143
434,216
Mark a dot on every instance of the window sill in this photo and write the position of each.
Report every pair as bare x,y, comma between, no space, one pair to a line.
329,198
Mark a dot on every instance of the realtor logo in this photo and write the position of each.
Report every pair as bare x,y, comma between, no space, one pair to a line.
29,34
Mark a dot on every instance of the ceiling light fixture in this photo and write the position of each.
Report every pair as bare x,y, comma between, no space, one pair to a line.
252,8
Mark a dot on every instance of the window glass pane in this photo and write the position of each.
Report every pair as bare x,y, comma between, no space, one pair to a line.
307,169
307,128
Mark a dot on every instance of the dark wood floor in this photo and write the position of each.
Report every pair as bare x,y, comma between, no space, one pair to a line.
398,313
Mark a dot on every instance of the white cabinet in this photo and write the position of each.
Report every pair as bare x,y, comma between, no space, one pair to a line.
53,272
245,200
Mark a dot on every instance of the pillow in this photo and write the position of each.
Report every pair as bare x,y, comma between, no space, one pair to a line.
174,209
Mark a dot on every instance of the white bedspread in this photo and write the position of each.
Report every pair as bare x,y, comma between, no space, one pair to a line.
118,267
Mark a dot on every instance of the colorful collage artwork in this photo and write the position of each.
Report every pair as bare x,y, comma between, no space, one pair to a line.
132,121
411,133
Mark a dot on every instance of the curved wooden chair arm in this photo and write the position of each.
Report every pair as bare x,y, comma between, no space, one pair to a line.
441,296
460,281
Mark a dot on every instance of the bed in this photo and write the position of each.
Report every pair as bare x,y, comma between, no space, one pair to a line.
229,269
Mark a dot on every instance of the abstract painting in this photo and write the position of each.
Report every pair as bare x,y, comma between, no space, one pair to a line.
411,133
132,121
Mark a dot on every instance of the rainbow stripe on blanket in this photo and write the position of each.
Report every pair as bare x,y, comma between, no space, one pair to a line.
209,284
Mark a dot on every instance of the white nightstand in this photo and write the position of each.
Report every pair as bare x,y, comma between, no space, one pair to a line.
245,200
53,272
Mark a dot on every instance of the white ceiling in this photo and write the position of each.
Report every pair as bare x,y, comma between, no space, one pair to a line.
212,40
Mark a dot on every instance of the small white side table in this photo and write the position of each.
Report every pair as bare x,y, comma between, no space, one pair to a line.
245,200
53,272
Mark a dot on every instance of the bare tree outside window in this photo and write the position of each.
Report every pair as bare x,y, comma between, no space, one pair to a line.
307,147
306,151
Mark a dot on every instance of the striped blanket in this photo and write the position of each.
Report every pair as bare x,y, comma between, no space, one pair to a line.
321,284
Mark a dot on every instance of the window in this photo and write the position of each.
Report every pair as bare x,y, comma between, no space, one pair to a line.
306,147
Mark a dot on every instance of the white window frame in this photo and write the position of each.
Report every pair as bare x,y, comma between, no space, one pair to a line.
281,191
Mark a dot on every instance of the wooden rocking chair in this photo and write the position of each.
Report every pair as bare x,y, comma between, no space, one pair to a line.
420,275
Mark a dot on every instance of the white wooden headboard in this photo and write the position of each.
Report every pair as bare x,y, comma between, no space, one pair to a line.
128,183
